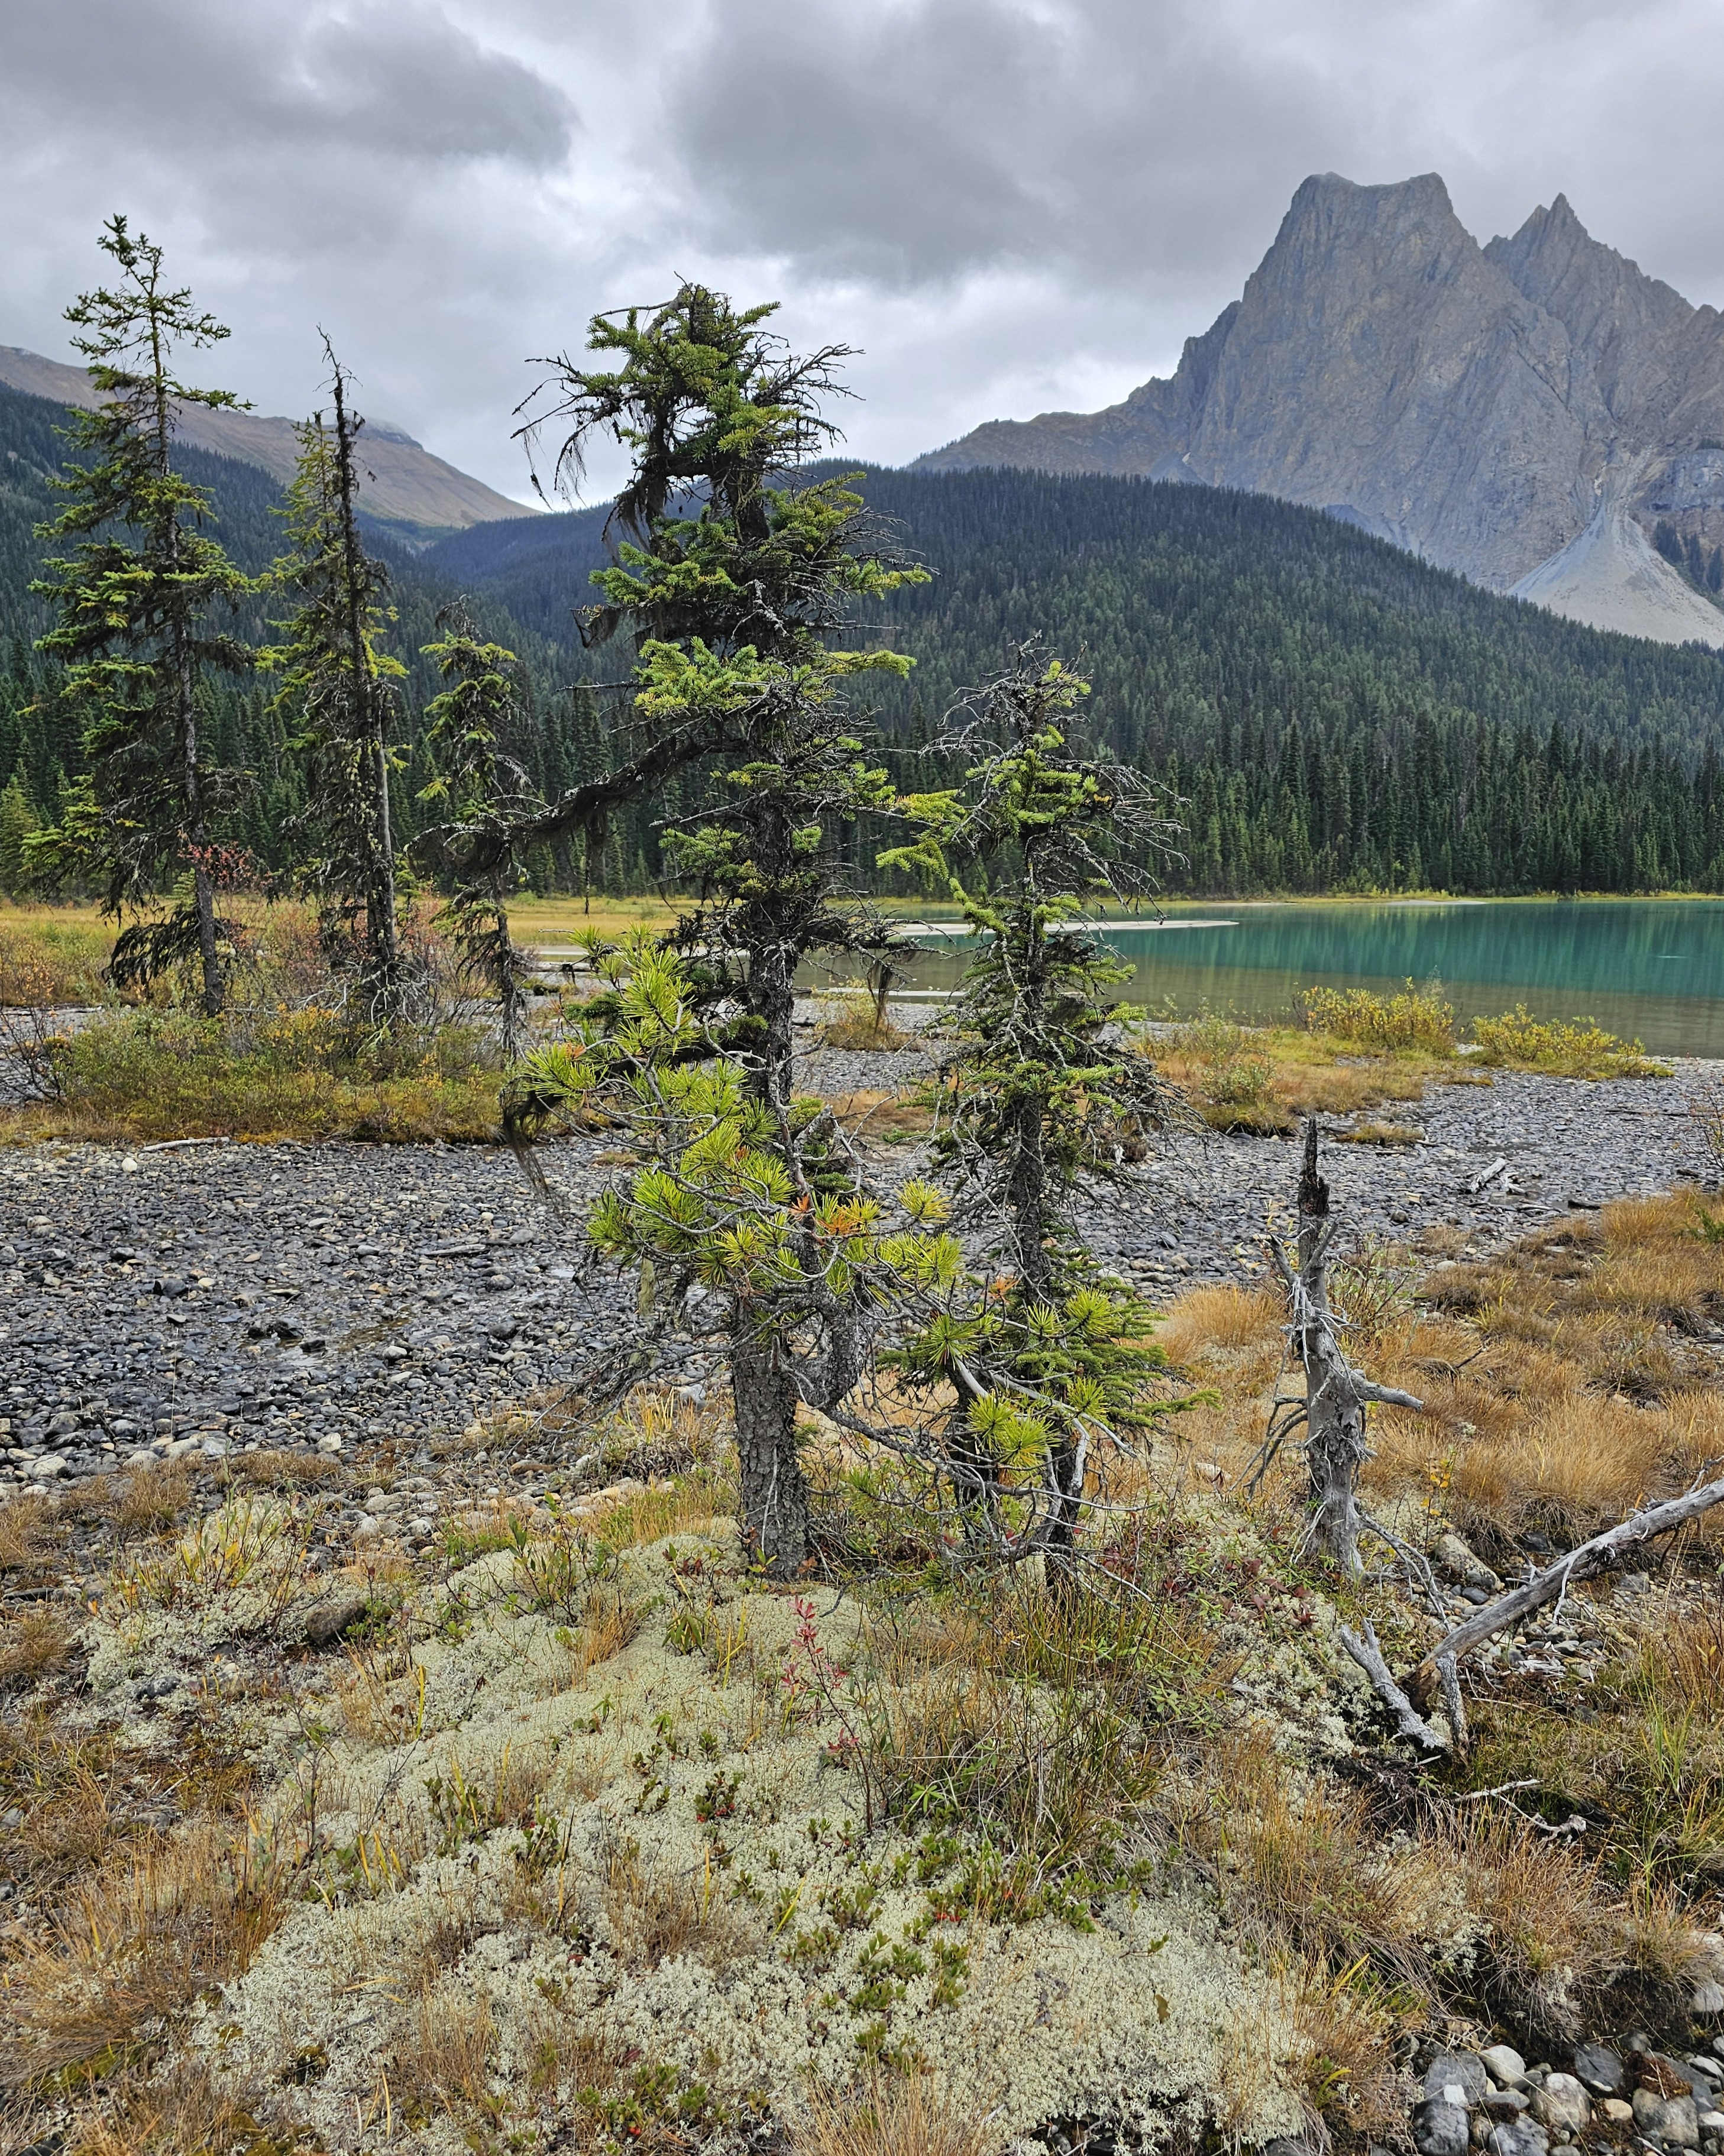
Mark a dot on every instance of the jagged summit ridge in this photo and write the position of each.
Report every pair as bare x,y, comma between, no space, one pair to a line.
1487,407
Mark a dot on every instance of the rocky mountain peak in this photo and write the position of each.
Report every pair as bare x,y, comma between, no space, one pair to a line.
1625,323
1490,408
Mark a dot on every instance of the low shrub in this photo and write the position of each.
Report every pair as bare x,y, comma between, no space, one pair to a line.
308,1073
1579,1048
1229,1075
859,1028
53,954
1417,1018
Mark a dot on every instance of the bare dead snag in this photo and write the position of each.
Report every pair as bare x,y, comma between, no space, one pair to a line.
1335,1395
1603,1553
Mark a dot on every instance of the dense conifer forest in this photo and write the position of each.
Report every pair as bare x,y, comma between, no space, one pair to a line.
1335,714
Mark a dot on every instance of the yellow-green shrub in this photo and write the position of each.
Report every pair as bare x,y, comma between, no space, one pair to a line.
1577,1049
1415,1019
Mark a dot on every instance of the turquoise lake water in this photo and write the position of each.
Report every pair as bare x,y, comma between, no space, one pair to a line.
1650,968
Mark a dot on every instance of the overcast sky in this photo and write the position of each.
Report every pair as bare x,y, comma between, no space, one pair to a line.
1009,205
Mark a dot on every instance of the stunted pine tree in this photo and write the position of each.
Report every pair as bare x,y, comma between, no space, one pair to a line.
1040,1089
482,790
338,699
144,606
733,579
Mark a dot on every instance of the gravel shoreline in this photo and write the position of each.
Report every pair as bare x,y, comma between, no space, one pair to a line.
210,1297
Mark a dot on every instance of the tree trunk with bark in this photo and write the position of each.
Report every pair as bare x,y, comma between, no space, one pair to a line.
382,951
185,690
775,1492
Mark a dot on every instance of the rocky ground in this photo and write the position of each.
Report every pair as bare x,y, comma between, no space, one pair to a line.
1494,2099
338,1297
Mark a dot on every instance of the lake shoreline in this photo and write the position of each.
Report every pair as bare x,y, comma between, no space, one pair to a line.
1650,970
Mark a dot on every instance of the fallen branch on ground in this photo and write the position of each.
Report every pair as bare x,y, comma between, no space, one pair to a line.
1602,1554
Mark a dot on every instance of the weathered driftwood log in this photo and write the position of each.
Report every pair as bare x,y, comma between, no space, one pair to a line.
1603,1553
1335,1395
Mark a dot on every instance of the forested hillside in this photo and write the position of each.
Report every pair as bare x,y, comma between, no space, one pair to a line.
560,740
1334,713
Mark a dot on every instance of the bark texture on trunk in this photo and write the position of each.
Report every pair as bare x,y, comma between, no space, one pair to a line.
186,719
775,1494
1334,1430
1335,1394
381,944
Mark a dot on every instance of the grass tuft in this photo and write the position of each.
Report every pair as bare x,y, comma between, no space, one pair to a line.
897,2116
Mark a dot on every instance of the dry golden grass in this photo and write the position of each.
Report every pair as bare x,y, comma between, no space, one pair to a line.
686,1506
563,921
653,1919
138,1942
611,1623
32,1647
887,1118
1344,2030
289,1471
1685,1658
178,2111
53,954
65,1784
1227,1317
898,2116
1553,1925
381,1699
1561,1391
443,2061
1351,1911
148,1501
1264,1078
1306,1867
1382,1134
856,1027
26,1532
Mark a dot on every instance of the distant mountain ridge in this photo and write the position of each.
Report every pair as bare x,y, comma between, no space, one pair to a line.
1527,412
403,483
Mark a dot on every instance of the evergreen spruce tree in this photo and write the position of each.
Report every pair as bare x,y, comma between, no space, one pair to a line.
480,787
140,603
18,824
1040,1089
734,580
338,696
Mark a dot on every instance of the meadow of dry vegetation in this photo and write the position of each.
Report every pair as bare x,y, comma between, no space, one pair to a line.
572,1834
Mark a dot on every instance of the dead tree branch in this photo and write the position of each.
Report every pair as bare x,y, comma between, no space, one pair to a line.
1366,1652
1603,1553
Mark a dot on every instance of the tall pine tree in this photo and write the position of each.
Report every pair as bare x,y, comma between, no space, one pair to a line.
140,603
734,581
337,695
482,788
1040,1087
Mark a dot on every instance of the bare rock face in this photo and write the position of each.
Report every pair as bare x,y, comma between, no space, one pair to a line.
1491,408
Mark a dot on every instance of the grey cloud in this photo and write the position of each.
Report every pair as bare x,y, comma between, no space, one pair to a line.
381,80
946,137
1009,204
427,90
